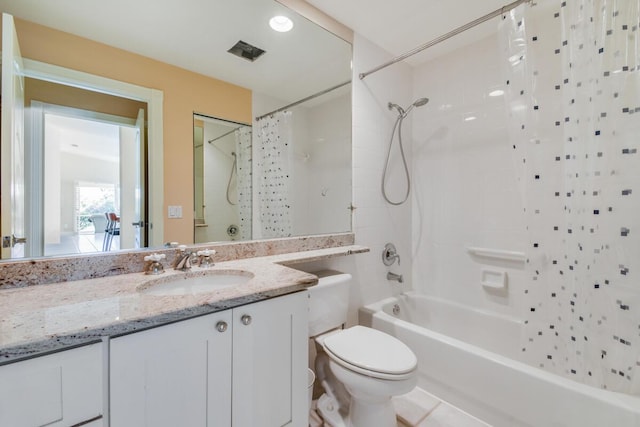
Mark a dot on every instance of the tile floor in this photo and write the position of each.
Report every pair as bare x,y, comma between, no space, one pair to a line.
79,244
421,409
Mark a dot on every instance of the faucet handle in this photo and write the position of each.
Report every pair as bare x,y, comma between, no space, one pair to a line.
154,257
390,255
155,267
206,252
205,257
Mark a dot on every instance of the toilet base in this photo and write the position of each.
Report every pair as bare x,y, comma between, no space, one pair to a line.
371,403
371,412
362,413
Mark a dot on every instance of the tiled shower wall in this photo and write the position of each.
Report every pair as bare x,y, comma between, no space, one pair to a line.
374,221
465,192
576,292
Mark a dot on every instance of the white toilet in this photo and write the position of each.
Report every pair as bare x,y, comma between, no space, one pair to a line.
372,365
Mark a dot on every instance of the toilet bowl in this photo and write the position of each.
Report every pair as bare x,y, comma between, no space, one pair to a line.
372,365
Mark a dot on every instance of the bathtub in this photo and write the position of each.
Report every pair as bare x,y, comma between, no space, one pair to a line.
461,361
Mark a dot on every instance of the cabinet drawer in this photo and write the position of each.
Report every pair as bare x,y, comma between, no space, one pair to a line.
59,389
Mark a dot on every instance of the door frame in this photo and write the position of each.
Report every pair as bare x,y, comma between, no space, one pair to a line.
36,161
153,98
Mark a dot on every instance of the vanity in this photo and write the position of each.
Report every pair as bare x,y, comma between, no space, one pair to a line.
131,350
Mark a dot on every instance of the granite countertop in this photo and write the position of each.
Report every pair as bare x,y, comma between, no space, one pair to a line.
37,320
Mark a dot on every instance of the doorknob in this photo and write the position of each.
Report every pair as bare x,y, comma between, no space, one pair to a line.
138,223
11,241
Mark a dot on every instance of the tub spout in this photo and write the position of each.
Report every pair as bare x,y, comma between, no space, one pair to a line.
394,276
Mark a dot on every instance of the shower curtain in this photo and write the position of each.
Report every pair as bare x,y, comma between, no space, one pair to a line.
274,165
573,79
243,168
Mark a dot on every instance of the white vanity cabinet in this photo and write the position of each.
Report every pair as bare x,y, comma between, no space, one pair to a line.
60,389
244,367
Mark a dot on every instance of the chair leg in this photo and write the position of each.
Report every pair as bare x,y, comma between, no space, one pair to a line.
110,240
106,243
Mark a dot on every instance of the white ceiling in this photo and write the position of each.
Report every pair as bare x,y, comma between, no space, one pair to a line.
196,35
88,138
400,26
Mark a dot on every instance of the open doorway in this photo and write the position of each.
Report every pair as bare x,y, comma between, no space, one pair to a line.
91,175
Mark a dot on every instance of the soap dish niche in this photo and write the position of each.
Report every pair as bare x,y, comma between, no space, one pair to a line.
495,279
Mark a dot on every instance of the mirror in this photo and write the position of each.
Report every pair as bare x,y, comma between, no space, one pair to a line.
222,160
195,73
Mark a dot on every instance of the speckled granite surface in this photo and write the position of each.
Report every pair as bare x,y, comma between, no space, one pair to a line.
36,320
38,271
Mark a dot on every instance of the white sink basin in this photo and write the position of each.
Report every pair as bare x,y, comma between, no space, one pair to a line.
195,283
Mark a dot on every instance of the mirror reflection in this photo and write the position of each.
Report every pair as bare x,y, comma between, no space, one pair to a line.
222,158
302,163
296,65
92,151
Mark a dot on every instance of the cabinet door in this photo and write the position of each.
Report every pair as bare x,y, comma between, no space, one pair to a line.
60,389
270,362
174,375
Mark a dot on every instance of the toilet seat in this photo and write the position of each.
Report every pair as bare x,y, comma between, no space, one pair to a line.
372,353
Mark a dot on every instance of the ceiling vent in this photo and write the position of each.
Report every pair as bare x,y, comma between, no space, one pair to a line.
246,51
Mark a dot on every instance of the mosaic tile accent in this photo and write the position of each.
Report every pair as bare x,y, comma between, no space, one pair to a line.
573,94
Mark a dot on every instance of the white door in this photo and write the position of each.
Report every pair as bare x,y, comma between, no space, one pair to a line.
270,362
58,390
132,184
173,375
138,221
12,142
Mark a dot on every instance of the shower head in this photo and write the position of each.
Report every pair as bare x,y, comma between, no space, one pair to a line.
417,103
420,102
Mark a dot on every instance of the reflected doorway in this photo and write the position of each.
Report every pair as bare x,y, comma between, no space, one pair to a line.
91,169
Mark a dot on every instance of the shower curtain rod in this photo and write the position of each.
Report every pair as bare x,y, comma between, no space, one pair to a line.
222,136
446,36
308,98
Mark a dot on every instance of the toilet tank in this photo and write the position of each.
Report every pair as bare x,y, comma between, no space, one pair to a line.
328,301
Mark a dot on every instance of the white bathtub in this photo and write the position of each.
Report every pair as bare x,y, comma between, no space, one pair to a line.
466,357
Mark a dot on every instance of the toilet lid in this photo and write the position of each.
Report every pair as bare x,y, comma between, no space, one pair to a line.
371,350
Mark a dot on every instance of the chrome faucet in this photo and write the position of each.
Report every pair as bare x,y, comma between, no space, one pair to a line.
394,276
183,260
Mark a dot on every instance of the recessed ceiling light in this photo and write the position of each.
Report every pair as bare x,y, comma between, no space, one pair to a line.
282,24
497,92
470,118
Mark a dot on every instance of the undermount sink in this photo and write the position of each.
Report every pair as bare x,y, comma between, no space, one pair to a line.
195,283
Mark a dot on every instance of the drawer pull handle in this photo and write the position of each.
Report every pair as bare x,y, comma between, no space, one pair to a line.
246,319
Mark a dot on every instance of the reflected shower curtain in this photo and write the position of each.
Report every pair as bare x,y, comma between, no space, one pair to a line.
573,97
243,165
274,165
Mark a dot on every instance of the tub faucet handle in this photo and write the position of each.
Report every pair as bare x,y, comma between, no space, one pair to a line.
390,255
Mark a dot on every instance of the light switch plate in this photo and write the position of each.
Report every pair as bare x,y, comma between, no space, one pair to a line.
175,212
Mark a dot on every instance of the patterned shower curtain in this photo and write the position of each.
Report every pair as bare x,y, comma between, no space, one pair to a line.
244,185
573,79
274,166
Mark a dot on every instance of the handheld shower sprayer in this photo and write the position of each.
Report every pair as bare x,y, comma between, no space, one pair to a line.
402,114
